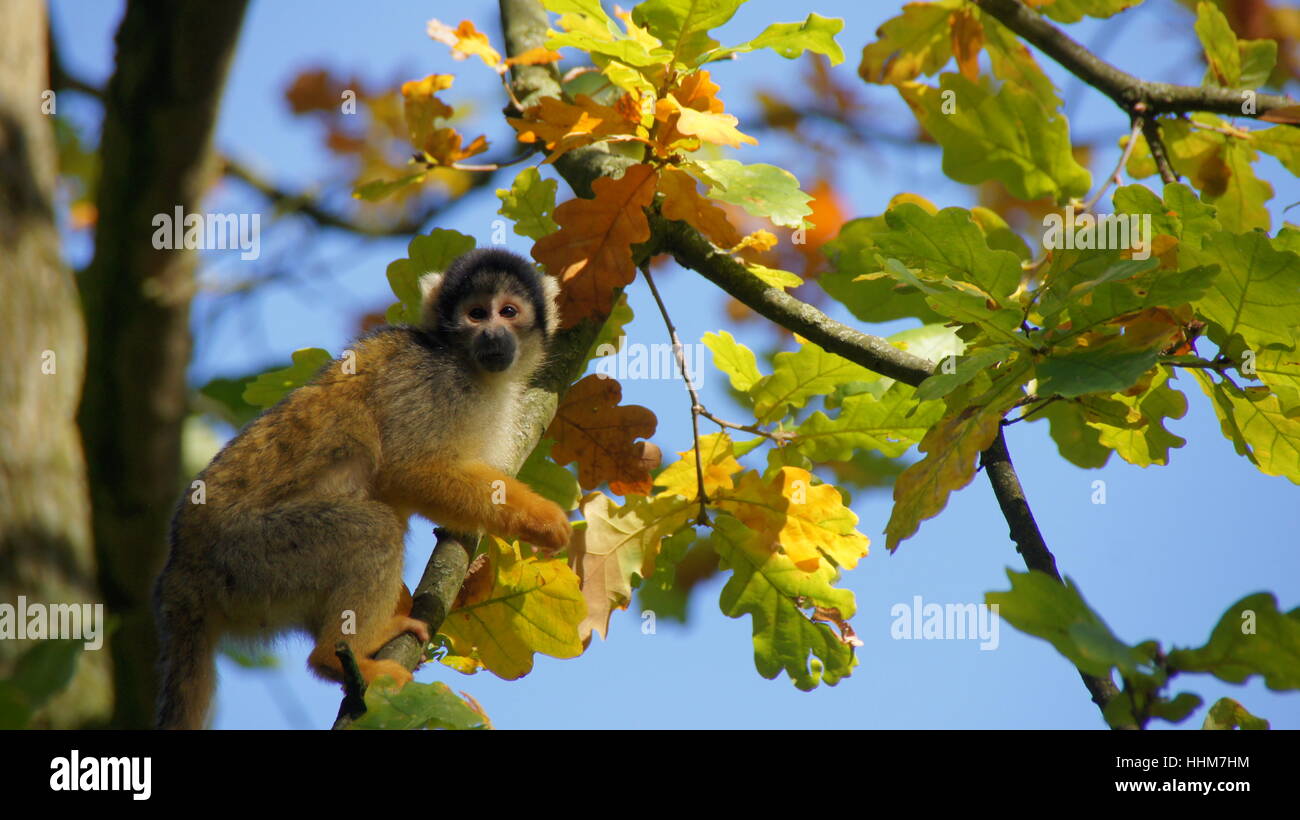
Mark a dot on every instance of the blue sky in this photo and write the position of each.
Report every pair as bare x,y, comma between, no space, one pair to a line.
1171,549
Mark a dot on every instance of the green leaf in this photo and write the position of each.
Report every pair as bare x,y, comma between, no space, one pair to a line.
418,706
433,253
1254,421
1257,292
1223,61
1227,713
1039,605
798,376
1072,11
530,202
854,253
960,302
378,189
550,480
41,672
612,332
1252,638
1283,142
918,41
761,189
1258,58
1010,136
1013,63
948,245
683,25
45,669
1077,440
1241,206
1279,368
768,587
227,396
791,40
1178,709
273,385
1148,442
734,359
889,424
1107,368
1182,214
965,368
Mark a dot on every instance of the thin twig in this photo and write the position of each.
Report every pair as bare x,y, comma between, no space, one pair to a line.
1033,410
780,437
1151,131
1139,122
697,407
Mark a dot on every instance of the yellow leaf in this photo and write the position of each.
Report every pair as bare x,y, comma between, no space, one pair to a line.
717,128
535,56
718,458
513,607
804,519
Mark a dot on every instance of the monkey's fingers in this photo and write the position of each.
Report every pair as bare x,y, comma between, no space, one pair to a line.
414,625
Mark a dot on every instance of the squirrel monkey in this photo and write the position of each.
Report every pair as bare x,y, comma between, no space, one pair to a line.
306,509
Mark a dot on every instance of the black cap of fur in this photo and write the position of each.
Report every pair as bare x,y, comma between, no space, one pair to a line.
480,271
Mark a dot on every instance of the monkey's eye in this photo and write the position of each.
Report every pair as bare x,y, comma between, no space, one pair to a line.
510,311
478,314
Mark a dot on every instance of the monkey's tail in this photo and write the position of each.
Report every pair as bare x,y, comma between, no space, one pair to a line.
187,672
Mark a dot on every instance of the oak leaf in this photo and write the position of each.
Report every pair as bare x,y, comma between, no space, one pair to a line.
465,41
617,544
682,201
563,126
808,521
592,250
592,429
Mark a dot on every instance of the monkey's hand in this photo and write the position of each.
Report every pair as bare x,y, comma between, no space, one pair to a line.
541,522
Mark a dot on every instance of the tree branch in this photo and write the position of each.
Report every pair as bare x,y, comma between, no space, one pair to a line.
524,23
1125,89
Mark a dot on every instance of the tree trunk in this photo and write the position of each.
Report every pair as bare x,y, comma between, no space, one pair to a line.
45,546
156,154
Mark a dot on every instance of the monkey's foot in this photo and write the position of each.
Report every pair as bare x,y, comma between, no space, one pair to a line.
372,669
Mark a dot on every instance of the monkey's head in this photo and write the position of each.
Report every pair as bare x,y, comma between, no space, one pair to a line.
493,306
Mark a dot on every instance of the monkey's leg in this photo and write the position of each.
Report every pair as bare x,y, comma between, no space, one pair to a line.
470,496
366,604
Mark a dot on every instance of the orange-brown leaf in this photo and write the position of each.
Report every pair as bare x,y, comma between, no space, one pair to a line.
592,429
465,40
592,250
682,201
967,42
562,126
535,56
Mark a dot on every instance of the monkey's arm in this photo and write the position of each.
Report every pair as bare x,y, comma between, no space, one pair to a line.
471,496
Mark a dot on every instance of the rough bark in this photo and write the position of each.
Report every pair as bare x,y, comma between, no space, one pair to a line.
45,546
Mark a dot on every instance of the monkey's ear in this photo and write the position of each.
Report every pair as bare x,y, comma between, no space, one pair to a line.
551,300
430,287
